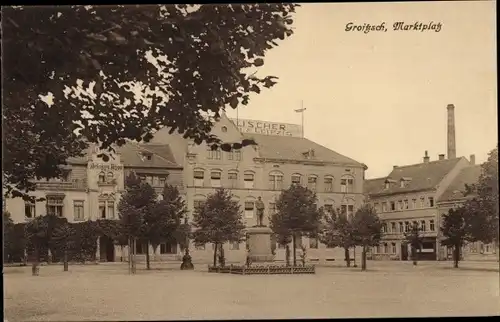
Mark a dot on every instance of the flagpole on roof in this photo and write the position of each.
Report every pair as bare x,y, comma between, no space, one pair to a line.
301,110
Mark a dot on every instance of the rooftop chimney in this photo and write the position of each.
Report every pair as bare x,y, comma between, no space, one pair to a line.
441,157
452,152
472,159
426,157
394,167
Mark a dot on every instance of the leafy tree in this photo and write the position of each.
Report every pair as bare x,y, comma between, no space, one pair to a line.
414,238
367,230
36,233
338,231
218,220
62,241
199,56
457,229
84,240
136,204
297,214
8,237
483,205
165,217
182,235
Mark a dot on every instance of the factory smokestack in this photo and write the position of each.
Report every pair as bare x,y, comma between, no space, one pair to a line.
452,151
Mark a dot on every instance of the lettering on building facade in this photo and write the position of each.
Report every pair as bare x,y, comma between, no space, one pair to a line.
105,166
268,128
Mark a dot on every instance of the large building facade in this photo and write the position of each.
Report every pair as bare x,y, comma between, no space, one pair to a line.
279,159
92,189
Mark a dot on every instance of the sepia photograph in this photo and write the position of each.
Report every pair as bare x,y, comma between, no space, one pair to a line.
250,161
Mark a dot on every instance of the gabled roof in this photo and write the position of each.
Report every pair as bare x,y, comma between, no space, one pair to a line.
132,155
373,185
468,175
293,148
424,176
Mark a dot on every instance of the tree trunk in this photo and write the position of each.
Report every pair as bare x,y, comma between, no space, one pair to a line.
65,260
294,250
456,255
148,265
414,255
134,242
35,269
215,254
287,255
129,255
363,259
347,257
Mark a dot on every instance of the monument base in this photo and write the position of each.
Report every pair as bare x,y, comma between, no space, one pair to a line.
259,243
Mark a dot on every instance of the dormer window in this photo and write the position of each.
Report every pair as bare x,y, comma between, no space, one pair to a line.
147,156
387,185
402,183
309,154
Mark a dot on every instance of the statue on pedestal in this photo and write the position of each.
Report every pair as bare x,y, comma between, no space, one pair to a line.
260,212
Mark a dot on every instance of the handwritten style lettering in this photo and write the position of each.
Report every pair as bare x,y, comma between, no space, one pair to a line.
417,26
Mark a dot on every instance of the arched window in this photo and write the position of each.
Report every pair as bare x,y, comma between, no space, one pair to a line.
329,205
102,176
109,176
198,201
347,184
199,177
232,176
215,178
275,180
328,183
312,182
296,178
347,207
249,178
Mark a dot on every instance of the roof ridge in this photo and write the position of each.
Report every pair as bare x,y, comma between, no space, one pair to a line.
165,159
423,163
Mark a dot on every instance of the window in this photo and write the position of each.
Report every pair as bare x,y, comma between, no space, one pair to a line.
422,202
237,155
414,203
329,208
78,210
106,209
400,205
393,227
394,248
198,203
141,247
386,248
224,129
214,154
346,185
406,204
375,206
407,226
312,182
215,177
422,225
29,209
55,206
377,249
168,248
328,184
198,178
348,210
234,246
249,206
393,206
109,176
272,208
248,179
232,176
431,202
102,177
431,225
296,179
313,242
276,181
162,181
401,227
384,227
384,206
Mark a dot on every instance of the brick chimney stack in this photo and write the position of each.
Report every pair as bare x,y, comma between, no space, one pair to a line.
452,151
426,157
472,159
441,157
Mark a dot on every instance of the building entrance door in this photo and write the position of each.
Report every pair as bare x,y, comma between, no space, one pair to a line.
107,248
404,252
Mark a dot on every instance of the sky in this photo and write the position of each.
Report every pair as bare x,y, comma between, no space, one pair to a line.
380,98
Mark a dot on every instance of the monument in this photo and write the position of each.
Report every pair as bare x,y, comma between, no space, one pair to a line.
259,237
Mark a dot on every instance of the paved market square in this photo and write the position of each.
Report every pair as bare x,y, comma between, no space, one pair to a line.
387,289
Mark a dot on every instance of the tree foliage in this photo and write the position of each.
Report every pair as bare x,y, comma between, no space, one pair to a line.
483,206
187,61
218,220
338,231
296,214
367,229
414,238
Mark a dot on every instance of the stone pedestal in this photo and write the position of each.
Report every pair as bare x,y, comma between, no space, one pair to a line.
259,243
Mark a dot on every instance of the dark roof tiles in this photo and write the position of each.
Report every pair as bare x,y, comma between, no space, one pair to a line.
468,175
